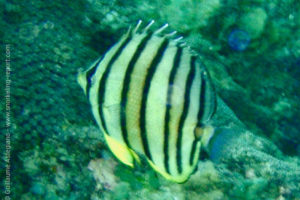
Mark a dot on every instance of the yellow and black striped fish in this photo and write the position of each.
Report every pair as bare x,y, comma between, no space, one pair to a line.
151,96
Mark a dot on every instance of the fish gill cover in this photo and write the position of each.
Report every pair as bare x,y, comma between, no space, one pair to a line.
52,148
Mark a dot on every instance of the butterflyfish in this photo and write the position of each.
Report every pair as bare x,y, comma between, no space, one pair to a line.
151,96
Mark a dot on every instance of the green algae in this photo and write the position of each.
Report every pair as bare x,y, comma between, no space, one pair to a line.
253,21
54,137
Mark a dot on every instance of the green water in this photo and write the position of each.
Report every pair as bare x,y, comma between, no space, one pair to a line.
52,147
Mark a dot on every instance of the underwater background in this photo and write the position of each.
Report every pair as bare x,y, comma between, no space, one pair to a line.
51,147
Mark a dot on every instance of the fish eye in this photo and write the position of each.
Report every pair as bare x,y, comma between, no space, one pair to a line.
198,132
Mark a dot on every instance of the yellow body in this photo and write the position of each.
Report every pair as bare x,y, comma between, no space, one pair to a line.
143,109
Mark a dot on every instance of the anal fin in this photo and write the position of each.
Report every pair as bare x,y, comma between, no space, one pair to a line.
121,151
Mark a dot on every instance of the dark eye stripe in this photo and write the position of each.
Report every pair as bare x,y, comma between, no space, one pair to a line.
211,100
201,99
192,155
207,100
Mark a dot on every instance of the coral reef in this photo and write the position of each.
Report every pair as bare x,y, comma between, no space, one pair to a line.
56,147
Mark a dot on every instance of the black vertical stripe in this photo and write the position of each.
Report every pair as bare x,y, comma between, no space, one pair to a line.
126,84
150,73
192,154
89,74
211,98
174,70
206,97
202,100
200,114
102,89
188,85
